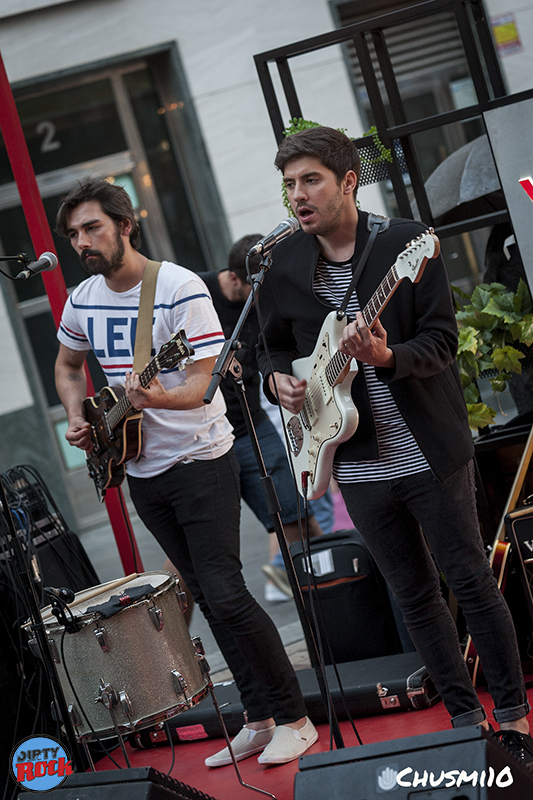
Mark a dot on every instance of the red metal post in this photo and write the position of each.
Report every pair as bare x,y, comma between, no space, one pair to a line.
54,283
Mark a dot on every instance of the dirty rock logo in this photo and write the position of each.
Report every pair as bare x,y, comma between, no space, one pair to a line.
40,763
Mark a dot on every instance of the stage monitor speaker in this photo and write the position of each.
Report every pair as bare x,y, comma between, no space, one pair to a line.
460,764
138,783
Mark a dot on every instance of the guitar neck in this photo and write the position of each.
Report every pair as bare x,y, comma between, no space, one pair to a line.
516,488
123,407
371,312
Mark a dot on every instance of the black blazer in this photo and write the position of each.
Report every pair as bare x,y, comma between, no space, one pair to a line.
421,330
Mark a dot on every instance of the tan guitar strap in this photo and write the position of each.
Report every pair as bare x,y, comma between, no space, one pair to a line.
143,335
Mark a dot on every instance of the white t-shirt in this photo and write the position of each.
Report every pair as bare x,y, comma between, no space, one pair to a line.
94,317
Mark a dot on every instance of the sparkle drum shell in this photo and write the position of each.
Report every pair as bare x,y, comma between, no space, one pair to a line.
132,670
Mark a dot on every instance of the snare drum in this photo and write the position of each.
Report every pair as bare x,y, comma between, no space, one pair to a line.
130,669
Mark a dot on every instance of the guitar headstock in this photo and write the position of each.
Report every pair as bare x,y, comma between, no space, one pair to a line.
411,262
174,351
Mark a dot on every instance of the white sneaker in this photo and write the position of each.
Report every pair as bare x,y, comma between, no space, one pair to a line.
273,594
279,577
288,743
245,744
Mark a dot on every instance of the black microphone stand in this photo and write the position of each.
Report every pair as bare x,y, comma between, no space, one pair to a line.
15,550
227,362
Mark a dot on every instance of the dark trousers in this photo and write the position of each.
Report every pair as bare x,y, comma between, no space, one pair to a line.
390,516
193,510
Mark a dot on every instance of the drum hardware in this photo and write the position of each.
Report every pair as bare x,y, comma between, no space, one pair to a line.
101,638
74,716
204,665
106,695
125,703
179,683
182,599
54,652
200,655
59,607
156,615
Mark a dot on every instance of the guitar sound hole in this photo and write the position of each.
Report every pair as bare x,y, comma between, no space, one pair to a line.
296,437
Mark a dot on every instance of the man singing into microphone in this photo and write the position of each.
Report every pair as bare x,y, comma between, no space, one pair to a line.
185,484
406,474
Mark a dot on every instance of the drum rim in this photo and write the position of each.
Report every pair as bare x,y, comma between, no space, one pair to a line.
147,722
52,624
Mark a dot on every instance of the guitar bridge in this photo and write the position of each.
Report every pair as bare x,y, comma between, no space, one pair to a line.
295,434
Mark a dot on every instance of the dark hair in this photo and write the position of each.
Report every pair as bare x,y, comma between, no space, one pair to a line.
333,149
115,202
237,255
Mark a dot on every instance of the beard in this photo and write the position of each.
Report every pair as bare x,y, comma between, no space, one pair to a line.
102,265
329,217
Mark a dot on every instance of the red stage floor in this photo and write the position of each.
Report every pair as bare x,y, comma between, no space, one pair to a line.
222,783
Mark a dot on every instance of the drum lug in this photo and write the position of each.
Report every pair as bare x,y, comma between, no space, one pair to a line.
182,600
198,645
200,655
74,716
125,704
54,651
106,695
156,615
204,665
101,638
179,683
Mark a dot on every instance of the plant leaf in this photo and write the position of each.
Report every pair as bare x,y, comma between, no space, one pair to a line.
471,393
499,383
480,415
507,359
468,340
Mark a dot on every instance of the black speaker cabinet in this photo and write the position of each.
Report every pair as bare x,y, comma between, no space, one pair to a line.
352,605
138,783
461,764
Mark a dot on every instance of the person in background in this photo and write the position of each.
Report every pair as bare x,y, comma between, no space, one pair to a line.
229,290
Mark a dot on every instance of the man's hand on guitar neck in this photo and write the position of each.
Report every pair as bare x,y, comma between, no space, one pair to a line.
367,346
291,391
188,394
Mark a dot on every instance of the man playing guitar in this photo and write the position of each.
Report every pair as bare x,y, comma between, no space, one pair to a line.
408,465
185,483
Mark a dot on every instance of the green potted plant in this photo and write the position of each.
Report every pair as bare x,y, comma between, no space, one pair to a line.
495,330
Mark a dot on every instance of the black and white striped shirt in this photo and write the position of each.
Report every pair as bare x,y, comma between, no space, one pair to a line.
399,453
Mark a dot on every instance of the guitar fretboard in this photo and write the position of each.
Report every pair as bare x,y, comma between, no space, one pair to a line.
123,407
371,312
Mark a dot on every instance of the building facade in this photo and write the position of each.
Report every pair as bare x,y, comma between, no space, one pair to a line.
163,97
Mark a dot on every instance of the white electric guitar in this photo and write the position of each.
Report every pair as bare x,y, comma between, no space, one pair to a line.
329,416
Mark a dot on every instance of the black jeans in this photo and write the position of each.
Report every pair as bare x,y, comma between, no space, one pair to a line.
390,515
193,510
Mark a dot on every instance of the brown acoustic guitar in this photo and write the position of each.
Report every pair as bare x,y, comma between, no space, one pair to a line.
116,425
499,557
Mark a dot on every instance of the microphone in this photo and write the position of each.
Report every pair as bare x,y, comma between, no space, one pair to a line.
64,594
46,263
285,228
